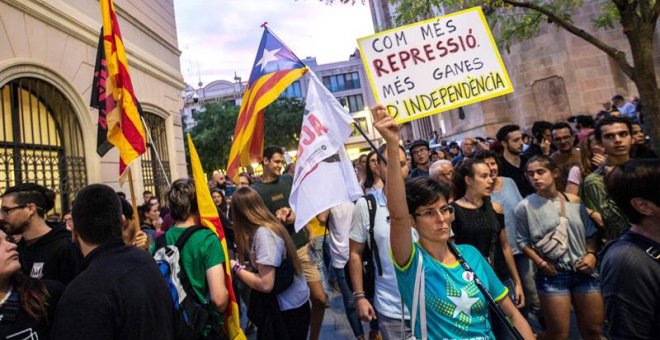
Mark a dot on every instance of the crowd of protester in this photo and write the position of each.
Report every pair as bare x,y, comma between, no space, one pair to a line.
541,225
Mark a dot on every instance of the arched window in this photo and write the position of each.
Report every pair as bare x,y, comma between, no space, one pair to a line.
40,140
155,175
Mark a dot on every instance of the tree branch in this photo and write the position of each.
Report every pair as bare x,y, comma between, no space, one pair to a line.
656,10
617,55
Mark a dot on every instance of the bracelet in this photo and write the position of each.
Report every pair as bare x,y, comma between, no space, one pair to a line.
358,298
591,213
358,293
237,268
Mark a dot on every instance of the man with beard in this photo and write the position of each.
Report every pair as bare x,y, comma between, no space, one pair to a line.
45,253
512,163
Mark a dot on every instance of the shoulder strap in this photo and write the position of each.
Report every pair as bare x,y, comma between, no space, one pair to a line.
183,277
186,235
372,205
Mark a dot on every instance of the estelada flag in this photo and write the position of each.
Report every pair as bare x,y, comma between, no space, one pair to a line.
275,68
209,218
125,129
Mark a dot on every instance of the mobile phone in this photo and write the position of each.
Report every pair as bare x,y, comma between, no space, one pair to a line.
230,190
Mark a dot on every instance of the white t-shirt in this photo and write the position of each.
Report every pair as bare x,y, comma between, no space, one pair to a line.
268,249
387,300
575,175
340,226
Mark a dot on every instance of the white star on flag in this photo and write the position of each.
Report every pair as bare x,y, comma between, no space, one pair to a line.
463,303
267,57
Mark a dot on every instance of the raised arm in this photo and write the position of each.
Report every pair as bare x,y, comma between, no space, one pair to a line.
400,233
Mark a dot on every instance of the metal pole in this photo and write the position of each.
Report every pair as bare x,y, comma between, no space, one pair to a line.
146,128
371,144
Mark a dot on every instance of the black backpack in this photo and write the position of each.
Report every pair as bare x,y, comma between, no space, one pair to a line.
369,254
192,317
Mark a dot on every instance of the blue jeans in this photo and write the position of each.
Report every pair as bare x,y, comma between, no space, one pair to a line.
349,303
566,283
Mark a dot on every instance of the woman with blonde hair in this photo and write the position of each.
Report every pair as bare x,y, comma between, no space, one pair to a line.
273,269
592,155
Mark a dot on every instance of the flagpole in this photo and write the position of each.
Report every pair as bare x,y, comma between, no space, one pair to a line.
151,140
371,144
136,217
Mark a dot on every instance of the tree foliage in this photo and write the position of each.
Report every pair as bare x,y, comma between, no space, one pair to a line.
515,20
215,126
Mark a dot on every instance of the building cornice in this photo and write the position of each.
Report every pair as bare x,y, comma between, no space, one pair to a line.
71,21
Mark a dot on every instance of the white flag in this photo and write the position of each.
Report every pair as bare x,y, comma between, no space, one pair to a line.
324,174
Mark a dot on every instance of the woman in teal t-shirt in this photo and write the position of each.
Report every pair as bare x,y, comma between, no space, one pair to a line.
455,308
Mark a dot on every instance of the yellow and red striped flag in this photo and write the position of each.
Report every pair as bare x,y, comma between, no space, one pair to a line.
209,218
275,68
125,129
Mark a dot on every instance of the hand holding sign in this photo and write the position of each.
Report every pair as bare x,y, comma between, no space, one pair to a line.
385,125
434,65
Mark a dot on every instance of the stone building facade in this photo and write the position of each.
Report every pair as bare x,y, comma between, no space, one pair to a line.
48,130
554,74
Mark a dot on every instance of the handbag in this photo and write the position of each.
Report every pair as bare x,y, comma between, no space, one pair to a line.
262,305
555,243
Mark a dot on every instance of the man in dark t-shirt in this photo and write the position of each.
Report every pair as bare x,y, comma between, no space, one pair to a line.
121,293
630,266
274,190
512,163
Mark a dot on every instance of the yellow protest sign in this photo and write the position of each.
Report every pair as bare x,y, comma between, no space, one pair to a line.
434,65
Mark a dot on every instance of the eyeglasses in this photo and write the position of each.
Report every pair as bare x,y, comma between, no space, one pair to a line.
428,213
563,139
4,211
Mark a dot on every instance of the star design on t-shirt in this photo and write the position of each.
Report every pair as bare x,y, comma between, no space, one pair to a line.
463,303
267,57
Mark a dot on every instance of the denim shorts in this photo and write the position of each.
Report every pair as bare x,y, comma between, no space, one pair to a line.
566,283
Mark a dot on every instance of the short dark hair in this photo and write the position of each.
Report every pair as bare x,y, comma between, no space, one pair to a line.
122,194
270,150
182,199
26,193
610,121
561,125
97,214
503,133
485,154
539,127
382,149
126,208
585,121
146,192
424,190
638,178
246,175
617,97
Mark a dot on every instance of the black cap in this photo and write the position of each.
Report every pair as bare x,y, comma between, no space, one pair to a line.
417,143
